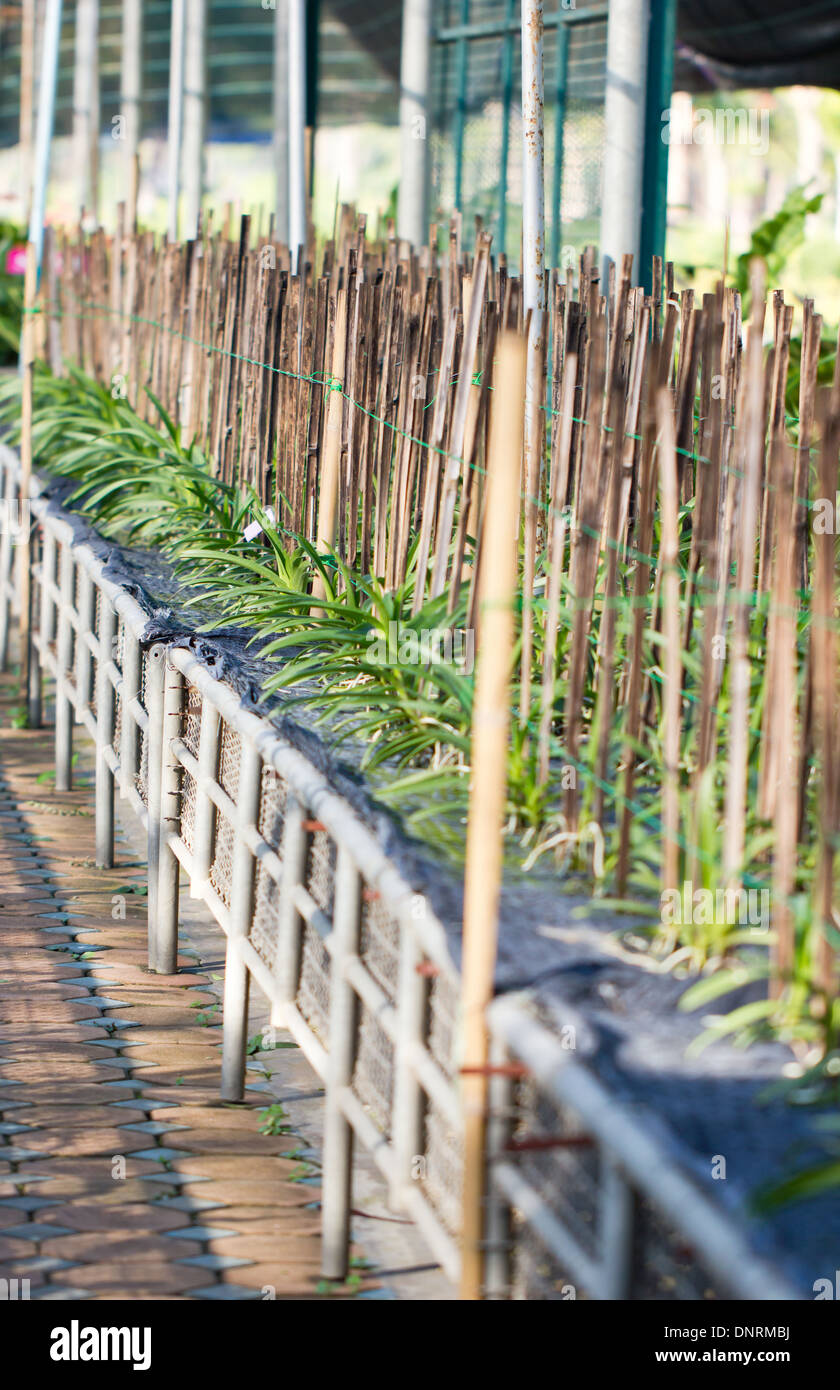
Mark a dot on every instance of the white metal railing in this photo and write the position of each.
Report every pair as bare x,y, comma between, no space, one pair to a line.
354,964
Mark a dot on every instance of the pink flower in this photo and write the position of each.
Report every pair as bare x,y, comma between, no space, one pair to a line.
16,260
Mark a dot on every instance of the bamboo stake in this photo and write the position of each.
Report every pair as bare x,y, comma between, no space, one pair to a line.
669,556
488,789
328,494
740,667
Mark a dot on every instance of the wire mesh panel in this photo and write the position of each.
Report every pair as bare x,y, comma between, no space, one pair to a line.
373,1073
220,871
476,144
314,983
562,1165
666,1267
143,762
190,736
443,1160
265,926
119,660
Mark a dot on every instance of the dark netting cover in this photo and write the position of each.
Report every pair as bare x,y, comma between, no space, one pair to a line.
757,43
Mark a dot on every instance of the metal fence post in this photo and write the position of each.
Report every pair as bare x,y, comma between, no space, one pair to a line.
105,707
30,658
6,562
154,759
235,1017
617,1218
338,1133
412,990
63,706
163,944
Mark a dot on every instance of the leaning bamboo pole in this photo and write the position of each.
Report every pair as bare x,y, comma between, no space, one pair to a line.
488,787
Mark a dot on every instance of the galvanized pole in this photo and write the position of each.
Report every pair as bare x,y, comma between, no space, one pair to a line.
195,105
86,105
415,70
281,126
624,125
131,86
176,113
296,72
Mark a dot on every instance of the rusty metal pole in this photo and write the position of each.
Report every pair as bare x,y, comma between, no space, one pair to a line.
533,159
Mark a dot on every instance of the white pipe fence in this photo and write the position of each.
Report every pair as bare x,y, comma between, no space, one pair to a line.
354,964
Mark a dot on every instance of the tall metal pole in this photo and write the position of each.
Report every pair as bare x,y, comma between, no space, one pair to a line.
281,126
176,113
131,86
415,66
624,124
195,103
86,105
659,87
507,98
297,124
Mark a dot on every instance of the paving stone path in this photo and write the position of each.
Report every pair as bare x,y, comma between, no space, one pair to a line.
122,1175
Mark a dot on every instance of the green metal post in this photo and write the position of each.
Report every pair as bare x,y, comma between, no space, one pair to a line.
461,107
660,81
507,98
313,15
559,131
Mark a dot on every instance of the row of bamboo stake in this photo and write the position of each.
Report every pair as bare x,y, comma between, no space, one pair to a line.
357,398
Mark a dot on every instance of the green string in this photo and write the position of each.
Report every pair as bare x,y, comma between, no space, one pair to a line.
332,384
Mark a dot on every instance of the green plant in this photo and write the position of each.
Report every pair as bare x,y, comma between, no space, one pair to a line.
271,1120
777,237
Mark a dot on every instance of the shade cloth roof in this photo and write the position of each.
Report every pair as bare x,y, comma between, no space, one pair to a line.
757,43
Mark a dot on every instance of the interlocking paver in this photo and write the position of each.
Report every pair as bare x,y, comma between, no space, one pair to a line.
122,1174
135,1217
